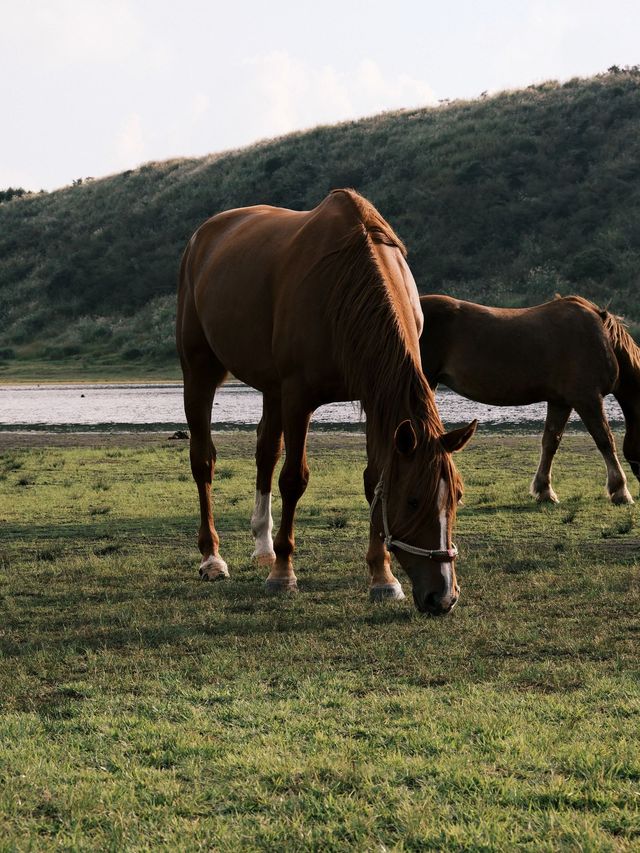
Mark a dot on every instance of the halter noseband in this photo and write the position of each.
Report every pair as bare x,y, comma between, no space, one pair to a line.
438,554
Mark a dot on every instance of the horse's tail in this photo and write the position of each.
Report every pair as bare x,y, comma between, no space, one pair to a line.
627,390
183,275
185,303
625,348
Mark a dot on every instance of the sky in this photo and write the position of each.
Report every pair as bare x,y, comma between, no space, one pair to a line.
94,87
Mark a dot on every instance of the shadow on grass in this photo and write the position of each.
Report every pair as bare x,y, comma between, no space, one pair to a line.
101,527
179,614
516,509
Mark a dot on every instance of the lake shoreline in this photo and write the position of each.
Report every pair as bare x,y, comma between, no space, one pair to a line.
158,407
244,440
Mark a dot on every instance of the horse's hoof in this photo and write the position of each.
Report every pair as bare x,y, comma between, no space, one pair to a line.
621,497
214,569
543,493
387,592
264,559
276,586
547,497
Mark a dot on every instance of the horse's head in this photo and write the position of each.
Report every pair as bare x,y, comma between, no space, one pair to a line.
414,509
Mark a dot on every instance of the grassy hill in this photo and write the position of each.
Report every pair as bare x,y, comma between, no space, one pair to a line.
504,200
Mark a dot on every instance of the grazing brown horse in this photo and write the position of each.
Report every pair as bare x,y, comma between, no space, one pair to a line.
567,352
311,307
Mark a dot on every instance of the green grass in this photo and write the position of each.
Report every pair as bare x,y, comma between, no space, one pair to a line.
83,370
142,709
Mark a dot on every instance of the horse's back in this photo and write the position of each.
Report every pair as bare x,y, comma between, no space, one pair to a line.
235,247
516,356
253,275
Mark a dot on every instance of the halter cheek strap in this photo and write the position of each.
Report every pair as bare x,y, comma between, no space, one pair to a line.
445,555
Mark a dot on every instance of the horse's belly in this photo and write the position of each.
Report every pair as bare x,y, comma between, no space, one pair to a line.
266,358
492,396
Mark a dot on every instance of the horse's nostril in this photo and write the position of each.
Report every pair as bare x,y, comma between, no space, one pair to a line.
432,603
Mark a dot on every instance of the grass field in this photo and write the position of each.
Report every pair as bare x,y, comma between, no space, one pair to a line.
69,370
142,709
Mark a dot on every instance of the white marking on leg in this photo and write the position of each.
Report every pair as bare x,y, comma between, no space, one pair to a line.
615,474
446,569
214,567
262,525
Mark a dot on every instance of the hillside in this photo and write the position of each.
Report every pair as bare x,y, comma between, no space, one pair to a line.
504,200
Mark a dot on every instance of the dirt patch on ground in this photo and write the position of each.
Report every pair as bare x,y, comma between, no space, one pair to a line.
15,440
240,440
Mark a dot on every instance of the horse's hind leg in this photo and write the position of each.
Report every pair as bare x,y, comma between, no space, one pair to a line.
557,417
293,482
268,450
202,376
629,400
593,417
631,448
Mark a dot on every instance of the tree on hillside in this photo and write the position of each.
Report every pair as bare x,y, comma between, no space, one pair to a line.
12,192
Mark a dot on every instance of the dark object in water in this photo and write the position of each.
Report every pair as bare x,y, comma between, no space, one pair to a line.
179,434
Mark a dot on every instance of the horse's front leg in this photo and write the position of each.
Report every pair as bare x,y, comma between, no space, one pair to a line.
268,449
292,482
593,417
383,583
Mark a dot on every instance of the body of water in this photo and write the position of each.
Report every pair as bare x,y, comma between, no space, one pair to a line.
126,407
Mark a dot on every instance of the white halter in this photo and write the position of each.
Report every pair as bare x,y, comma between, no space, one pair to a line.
438,554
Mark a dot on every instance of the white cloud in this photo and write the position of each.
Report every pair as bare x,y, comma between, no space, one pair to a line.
552,20
199,105
293,95
378,92
130,147
283,85
71,33
68,32
332,93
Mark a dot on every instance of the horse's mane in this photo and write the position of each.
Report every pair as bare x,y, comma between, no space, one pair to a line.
378,227
370,341
616,329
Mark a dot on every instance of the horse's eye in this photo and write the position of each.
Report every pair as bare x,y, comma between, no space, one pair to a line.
414,503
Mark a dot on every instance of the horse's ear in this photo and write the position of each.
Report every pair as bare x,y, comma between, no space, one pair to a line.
405,438
457,438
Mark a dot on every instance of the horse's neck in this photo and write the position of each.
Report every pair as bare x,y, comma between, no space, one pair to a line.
385,415
376,338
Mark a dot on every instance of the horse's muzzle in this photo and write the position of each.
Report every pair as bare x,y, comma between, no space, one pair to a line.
435,604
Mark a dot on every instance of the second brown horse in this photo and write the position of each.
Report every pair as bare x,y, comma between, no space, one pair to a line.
311,307
567,352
